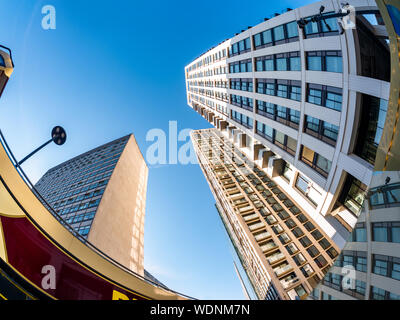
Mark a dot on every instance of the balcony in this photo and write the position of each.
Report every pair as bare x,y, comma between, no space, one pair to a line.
268,246
251,216
274,258
261,236
256,225
282,269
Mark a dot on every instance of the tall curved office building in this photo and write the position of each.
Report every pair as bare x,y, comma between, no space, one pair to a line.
304,97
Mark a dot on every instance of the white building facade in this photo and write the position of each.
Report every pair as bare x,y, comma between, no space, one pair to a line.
307,105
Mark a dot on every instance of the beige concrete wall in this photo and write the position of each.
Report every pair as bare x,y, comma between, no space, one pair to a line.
118,226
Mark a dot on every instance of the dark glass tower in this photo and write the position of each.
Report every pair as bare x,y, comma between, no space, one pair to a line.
74,188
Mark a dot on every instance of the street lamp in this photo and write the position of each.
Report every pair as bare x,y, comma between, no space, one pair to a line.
321,17
58,136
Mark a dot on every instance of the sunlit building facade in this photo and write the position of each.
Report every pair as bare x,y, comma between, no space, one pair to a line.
308,105
101,194
282,249
305,105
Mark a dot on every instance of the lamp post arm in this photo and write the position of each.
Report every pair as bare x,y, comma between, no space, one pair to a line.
33,152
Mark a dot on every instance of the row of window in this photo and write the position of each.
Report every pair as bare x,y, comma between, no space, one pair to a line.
325,96
240,47
356,259
281,140
242,102
287,116
81,217
289,89
86,188
386,232
279,62
385,196
288,32
79,198
386,266
281,34
242,119
381,232
306,187
321,28
315,161
323,130
82,206
241,66
330,61
242,84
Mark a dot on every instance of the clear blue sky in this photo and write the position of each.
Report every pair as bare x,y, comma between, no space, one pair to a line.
114,67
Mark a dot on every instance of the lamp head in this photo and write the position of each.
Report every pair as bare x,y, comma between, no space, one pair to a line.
58,135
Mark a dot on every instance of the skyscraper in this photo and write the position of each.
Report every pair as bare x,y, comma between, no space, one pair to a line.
307,105
102,195
282,249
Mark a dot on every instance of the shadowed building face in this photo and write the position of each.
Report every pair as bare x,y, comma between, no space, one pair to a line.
102,195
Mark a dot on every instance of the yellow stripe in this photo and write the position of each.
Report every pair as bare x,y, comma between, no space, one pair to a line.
11,215
3,297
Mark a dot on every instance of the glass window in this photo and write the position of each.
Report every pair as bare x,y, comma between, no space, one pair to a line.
292,30
323,163
314,63
281,112
257,39
280,137
295,93
281,64
295,64
279,33
361,264
311,28
2,62
312,123
333,64
247,43
332,23
267,36
329,130
333,101
302,183
361,287
270,89
288,172
308,154
260,87
393,296
249,66
360,235
294,116
241,46
377,294
259,64
396,271
380,267
380,233
282,90
314,96
243,65
396,234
